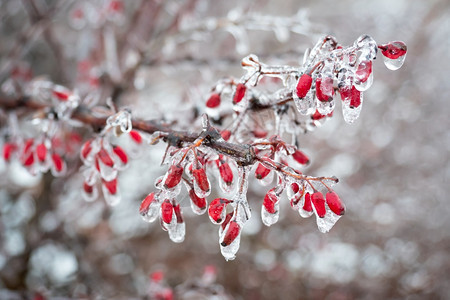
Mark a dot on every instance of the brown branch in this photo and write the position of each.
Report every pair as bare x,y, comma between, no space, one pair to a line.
243,154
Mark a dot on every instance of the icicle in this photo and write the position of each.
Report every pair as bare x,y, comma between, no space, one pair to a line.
243,213
227,182
177,232
363,76
198,204
351,113
150,206
58,165
270,210
106,165
230,239
367,46
111,192
327,222
306,105
325,107
202,187
90,192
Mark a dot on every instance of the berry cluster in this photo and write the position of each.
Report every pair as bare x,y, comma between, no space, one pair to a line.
102,161
223,152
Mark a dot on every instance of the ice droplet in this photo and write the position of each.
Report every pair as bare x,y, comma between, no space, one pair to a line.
305,213
267,180
229,251
111,199
351,114
367,46
177,232
153,210
106,172
326,223
199,191
306,105
364,86
268,218
394,64
92,196
325,107
227,187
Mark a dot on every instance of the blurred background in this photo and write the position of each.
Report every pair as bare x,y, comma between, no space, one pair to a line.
393,162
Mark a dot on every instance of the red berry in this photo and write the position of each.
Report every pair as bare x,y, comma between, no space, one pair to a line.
88,188
97,165
270,200
8,149
111,186
213,101
201,179
240,93
226,173
199,202
295,188
174,176
355,99
62,96
225,134
261,171
335,203
227,220
86,149
146,203
58,162
300,157
116,6
393,50
307,206
105,158
259,133
27,146
303,85
324,89
346,92
364,70
136,136
317,116
29,160
319,204
231,234
121,154
216,207
166,211
41,152
157,276
177,210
